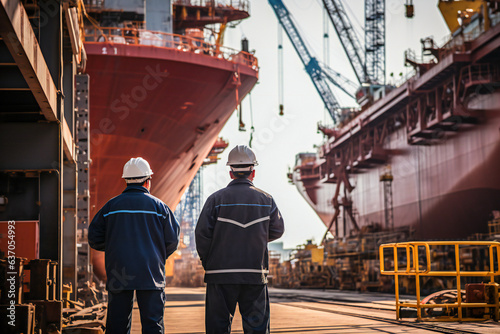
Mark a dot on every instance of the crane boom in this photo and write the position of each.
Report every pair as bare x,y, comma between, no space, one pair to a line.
348,38
340,81
318,74
375,40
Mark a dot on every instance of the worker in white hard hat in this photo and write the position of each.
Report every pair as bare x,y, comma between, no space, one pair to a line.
137,232
232,233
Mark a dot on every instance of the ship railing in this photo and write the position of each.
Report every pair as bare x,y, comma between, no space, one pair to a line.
458,42
94,4
482,73
243,5
181,43
402,78
419,256
308,174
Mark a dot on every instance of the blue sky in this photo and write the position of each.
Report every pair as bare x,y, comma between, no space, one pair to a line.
277,139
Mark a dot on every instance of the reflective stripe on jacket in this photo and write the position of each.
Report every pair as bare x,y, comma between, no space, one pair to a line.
137,232
232,233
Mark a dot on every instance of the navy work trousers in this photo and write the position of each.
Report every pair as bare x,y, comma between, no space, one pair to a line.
253,302
151,307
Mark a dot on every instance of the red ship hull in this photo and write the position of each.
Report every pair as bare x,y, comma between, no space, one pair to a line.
446,191
165,105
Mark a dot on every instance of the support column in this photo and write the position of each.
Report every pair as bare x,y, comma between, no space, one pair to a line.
69,247
51,45
69,228
83,162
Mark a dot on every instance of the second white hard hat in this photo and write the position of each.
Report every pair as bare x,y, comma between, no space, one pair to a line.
137,168
241,155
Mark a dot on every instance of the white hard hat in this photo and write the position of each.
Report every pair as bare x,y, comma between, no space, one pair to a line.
242,155
136,169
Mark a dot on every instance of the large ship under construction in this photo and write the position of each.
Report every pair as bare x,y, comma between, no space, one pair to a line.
425,155
162,87
416,161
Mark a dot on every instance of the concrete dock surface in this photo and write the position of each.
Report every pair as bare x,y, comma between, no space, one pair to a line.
338,312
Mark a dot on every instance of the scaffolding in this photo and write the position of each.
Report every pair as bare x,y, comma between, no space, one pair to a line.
188,211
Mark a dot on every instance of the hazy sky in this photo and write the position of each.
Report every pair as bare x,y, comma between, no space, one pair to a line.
277,139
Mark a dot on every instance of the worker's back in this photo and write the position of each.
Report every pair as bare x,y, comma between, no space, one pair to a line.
137,232
232,233
139,236
240,220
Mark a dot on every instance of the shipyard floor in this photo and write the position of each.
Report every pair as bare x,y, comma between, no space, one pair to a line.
309,312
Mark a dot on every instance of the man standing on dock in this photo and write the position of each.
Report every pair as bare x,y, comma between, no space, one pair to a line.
232,233
137,232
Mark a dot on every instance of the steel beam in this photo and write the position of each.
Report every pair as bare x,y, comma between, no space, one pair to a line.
16,32
68,142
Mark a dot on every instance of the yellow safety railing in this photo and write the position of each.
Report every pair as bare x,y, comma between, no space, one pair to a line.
170,41
412,251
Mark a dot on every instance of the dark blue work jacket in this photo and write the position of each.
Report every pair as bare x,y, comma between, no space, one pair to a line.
137,232
232,233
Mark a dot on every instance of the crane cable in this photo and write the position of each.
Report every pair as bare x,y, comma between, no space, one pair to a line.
280,70
326,51
252,129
